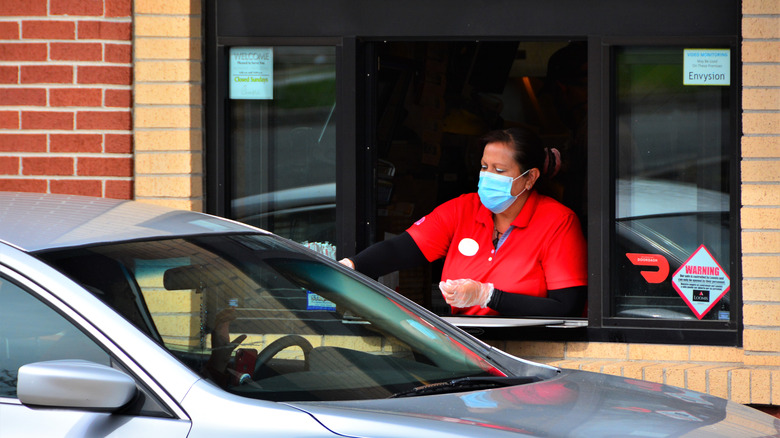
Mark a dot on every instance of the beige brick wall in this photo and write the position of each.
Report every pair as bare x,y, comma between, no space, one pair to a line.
737,374
168,103
760,178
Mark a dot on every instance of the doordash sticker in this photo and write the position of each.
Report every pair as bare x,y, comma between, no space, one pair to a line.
653,260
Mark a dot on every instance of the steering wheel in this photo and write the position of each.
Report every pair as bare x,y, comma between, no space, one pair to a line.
280,344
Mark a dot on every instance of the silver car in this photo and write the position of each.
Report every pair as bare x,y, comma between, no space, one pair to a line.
125,319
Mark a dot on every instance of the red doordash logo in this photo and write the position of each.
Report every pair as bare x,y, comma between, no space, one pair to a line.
655,260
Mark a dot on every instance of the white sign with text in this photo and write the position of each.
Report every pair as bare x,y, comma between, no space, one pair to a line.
251,73
706,67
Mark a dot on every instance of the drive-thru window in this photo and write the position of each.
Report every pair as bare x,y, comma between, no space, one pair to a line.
339,125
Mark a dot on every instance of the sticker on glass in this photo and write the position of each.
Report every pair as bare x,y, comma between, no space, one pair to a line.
657,261
316,302
251,73
706,67
701,282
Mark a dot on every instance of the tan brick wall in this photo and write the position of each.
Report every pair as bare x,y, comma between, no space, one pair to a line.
168,103
737,374
760,188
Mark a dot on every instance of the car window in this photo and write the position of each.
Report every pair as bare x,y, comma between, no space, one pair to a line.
268,319
31,332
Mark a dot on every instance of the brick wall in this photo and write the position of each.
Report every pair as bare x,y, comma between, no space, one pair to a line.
65,97
733,373
168,103
761,177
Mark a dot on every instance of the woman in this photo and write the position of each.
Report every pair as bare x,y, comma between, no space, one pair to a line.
508,249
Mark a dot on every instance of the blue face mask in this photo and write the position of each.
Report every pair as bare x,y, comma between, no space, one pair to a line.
495,191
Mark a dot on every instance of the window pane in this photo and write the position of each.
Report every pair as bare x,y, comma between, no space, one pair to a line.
671,249
32,332
283,150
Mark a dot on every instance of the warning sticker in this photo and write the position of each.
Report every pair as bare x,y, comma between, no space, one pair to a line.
701,282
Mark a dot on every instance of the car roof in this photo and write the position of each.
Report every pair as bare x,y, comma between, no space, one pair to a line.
36,222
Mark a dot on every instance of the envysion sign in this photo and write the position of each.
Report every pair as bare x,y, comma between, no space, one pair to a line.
706,67
251,73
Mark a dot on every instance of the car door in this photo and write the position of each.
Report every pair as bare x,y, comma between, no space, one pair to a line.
33,330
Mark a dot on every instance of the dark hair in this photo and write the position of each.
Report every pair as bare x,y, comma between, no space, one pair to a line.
527,146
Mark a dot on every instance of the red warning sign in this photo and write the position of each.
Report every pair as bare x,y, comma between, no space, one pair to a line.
701,282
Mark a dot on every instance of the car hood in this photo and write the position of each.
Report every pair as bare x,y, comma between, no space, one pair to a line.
575,404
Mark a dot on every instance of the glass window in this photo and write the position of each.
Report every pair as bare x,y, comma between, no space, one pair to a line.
31,332
282,148
671,250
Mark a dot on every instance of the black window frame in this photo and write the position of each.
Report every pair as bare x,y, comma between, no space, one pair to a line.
217,116
707,23
601,208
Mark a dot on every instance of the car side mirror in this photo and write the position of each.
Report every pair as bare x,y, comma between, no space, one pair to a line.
74,384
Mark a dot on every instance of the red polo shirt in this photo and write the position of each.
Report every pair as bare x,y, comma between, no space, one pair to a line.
545,251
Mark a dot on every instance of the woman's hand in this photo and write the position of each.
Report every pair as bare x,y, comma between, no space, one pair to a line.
347,262
466,293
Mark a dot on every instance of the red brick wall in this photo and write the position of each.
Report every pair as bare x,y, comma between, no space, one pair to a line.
65,97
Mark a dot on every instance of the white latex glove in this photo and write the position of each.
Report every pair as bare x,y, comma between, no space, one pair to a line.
347,262
466,293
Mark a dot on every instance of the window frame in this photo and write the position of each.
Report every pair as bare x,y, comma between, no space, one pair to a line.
601,204
217,121
667,22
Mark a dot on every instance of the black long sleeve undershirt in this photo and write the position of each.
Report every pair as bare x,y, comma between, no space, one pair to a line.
559,302
398,252
401,252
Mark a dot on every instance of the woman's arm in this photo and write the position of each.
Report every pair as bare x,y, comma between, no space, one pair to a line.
559,302
399,252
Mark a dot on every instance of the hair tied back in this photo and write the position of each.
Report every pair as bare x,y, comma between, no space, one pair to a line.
552,162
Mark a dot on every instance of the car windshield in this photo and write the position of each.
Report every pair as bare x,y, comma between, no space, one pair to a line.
313,331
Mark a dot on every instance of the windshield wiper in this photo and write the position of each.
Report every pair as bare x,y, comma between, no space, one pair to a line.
466,384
